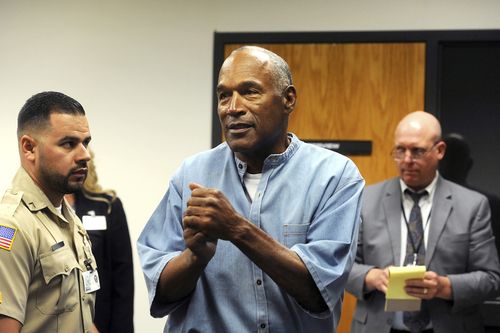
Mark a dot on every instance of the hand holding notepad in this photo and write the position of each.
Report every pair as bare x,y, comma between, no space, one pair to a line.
396,297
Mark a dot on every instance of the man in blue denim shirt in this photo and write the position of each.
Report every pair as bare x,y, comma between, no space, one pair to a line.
259,233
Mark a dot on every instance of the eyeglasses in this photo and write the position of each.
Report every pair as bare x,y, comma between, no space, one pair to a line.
416,153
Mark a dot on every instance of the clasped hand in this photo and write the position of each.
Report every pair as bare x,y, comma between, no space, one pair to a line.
209,216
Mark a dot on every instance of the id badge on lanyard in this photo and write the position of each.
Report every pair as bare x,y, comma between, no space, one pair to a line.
90,276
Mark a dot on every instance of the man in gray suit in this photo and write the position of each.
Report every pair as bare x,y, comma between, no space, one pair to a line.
421,218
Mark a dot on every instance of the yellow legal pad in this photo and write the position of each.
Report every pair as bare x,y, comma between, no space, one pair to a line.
396,298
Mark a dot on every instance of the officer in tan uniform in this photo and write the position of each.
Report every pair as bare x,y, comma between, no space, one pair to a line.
48,275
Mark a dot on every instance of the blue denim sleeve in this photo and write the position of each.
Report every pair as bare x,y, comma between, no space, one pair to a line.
330,249
160,241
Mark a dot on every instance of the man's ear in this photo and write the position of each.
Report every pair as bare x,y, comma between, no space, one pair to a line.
441,149
289,98
28,146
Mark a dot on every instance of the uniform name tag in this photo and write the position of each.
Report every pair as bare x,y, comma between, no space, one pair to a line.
91,281
97,222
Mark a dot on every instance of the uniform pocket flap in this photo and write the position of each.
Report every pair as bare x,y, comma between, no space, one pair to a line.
59,262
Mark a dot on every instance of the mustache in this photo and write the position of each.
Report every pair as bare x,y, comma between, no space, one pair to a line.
82,166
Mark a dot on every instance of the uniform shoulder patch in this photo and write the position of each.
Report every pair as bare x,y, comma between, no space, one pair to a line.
7,235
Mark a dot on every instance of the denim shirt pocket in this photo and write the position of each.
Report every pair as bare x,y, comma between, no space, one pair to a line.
61,293
294,234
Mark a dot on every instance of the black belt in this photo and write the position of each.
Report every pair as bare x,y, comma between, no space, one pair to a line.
393,330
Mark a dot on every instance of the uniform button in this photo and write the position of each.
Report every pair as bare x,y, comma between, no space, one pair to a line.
259,282
240,165
66,268
83,297
262,325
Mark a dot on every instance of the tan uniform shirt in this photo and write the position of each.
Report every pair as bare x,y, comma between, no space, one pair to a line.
41,265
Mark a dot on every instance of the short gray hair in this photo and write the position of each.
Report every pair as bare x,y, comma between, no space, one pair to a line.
282,76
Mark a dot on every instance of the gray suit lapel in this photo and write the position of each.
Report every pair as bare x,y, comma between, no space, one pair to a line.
392,208
441,207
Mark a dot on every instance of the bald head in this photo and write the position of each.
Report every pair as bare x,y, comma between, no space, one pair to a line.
279,69
418,149
421,124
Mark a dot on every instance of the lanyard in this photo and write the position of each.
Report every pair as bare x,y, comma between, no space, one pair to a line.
414,246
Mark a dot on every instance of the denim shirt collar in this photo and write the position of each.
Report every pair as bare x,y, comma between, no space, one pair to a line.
272,160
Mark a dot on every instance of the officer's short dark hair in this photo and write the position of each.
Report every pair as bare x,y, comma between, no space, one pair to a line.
35,114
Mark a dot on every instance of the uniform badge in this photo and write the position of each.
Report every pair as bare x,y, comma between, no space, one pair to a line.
7,235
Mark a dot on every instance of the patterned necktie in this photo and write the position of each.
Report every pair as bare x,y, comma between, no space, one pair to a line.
416,321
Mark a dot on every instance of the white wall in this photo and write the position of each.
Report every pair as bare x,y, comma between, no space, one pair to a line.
143,69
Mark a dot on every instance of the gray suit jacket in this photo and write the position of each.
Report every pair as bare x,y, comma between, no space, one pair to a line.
460,245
